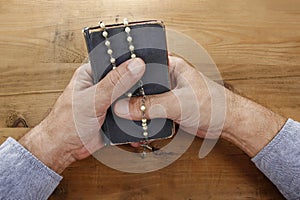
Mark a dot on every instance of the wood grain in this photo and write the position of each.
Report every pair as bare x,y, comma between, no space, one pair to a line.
255,44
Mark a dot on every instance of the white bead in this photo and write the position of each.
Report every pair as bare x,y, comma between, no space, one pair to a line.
144,120
109,51
129,94
145,133
145,128
107,43
105,34
125,22
129,39
143,108
114,67
131,47
133,55
127,29
102,25
112,60
144,124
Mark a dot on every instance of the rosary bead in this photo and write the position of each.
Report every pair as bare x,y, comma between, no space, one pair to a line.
125,22
114,67
102,25
127,29
129,39
144,124
143,108
145,134
131,47
112,60
129,94
145,128
105,34
109,51
107,43
133,55
144,120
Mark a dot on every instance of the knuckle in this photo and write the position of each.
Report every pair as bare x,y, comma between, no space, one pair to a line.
179,61
82,68
135,104
76,73
114,78
149,102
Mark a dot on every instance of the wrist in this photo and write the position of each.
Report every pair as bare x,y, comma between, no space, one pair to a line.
249,125
40,141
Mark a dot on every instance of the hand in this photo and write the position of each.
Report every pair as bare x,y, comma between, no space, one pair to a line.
190,103
71,131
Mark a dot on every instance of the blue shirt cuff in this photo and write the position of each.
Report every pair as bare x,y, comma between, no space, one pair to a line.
23,176
280,160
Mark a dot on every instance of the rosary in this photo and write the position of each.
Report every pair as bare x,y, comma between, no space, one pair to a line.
144,131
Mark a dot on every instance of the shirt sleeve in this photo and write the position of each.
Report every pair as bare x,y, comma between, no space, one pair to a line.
280,160
22,175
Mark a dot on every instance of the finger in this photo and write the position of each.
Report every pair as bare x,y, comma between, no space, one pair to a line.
83,77
86,69
177,69
135,144
164,105
177,65
117,82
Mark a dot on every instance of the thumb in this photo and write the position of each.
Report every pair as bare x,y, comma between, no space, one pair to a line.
164,105
117,82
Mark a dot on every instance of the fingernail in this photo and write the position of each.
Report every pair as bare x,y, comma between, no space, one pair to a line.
122,107
136,66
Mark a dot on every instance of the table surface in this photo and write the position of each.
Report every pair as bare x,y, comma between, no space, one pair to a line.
255,44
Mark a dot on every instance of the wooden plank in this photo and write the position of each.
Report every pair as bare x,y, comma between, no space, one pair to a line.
225,172
26,78
16,79
268,41
15,133
33,107
278,94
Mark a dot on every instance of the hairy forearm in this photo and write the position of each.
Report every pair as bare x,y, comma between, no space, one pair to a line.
249,125
41,144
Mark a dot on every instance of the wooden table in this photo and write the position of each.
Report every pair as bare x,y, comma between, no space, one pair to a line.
255,44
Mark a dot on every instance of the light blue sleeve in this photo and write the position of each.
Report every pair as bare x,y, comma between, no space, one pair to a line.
22,175
280,160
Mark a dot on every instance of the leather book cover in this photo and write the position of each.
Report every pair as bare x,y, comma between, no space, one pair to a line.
149,40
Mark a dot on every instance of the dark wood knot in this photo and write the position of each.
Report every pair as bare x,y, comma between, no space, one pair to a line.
16,120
